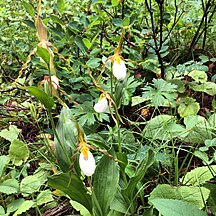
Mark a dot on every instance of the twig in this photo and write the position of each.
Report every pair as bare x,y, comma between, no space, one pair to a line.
194,40
157,49
8,89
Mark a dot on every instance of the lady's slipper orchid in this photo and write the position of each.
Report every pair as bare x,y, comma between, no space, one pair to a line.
119,68
101,105
87,163
55,82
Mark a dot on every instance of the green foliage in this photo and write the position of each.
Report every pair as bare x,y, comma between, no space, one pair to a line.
196,196
199,175
161,93
106,174
159,120
73,187
176,207
18,152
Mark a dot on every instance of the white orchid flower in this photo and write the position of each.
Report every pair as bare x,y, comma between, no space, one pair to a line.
101,105
87,163
119,68
55,82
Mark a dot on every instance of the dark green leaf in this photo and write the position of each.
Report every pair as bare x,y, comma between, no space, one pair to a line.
73,187
29,8
93,62
67,133
61,5
56,19
168,207
147,161
44,54
106,179
47,101
79,42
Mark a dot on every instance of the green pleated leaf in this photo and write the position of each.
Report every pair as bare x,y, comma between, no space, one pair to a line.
67,134
73,187
168,207
47,101
106,179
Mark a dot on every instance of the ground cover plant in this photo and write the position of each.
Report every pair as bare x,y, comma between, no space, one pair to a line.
107,107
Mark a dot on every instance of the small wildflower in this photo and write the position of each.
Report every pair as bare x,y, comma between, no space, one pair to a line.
119,68
101,105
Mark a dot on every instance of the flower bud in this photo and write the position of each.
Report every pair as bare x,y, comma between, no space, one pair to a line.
87,164
55,82
101,105
119,68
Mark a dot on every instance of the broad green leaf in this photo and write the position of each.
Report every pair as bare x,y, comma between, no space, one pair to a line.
203,156
198,129
212,200
106,179
32,183
24,207
44,54
117,22
47,101
11,133
163,127
4,160
9,186
15,204
87,43
94,62
2,211
56,19
67,134
120,203
44,197
83,211
138,100
212,120
126,21
73,187
18,152
196,196
198,76
115,2
146,162
61,5
168,207
199,175
29,8
79,42
207,87
188,109
29,23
